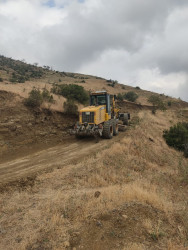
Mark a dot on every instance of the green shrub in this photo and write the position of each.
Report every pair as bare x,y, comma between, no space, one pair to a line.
120,97
112,83
154,100
137,87
72,92
1,79
21,79
177,137
70,107
46,96
157,102
35,99
131,96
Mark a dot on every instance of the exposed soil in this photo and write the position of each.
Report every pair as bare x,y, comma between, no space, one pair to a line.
16,172
35,140
25,131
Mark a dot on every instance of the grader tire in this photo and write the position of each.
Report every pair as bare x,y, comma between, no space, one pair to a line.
108,130
125,120
115,127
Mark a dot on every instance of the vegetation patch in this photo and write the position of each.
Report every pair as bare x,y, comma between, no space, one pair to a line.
129,96
72,92
112,83
70,107
157,103
177,137
21,71
36,98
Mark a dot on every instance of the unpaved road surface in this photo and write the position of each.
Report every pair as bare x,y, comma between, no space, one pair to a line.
54,157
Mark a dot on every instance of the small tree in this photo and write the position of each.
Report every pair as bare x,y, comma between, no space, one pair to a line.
35,99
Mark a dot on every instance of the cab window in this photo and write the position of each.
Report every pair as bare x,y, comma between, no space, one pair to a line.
98,100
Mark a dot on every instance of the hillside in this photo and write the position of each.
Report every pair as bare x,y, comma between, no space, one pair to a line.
40,78
57,192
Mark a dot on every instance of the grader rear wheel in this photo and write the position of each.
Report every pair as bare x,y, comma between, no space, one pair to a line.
125,120
108,130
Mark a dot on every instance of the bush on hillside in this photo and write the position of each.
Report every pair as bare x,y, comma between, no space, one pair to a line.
72,92
46,96
112,83
70,107
35,99
177,137
1,79
157,102
120,97
131,96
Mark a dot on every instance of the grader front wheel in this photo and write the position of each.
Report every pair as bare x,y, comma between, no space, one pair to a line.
108,130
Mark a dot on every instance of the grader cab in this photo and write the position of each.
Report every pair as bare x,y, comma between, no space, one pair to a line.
101,117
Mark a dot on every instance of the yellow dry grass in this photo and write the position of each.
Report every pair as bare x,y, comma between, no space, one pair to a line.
140,169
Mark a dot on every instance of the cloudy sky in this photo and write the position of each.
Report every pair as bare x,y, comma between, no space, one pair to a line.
137,42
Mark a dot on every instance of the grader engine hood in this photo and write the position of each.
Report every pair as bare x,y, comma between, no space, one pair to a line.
92,114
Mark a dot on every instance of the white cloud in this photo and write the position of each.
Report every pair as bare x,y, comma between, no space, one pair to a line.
138,42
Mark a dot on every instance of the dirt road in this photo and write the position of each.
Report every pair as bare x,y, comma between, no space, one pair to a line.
54,157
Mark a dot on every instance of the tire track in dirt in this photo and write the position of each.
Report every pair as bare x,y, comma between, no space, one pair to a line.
50,158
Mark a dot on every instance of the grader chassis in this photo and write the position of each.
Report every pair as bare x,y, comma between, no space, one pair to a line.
101,118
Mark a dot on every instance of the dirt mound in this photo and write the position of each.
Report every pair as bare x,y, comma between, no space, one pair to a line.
134,223
24,130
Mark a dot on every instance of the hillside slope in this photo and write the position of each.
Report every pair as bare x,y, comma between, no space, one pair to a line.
130,192
131,195
11,71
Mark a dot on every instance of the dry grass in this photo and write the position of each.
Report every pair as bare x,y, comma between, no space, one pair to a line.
135,172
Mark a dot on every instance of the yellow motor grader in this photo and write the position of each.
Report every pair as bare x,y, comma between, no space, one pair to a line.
100,118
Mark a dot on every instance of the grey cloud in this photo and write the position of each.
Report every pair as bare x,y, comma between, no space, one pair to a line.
106,37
